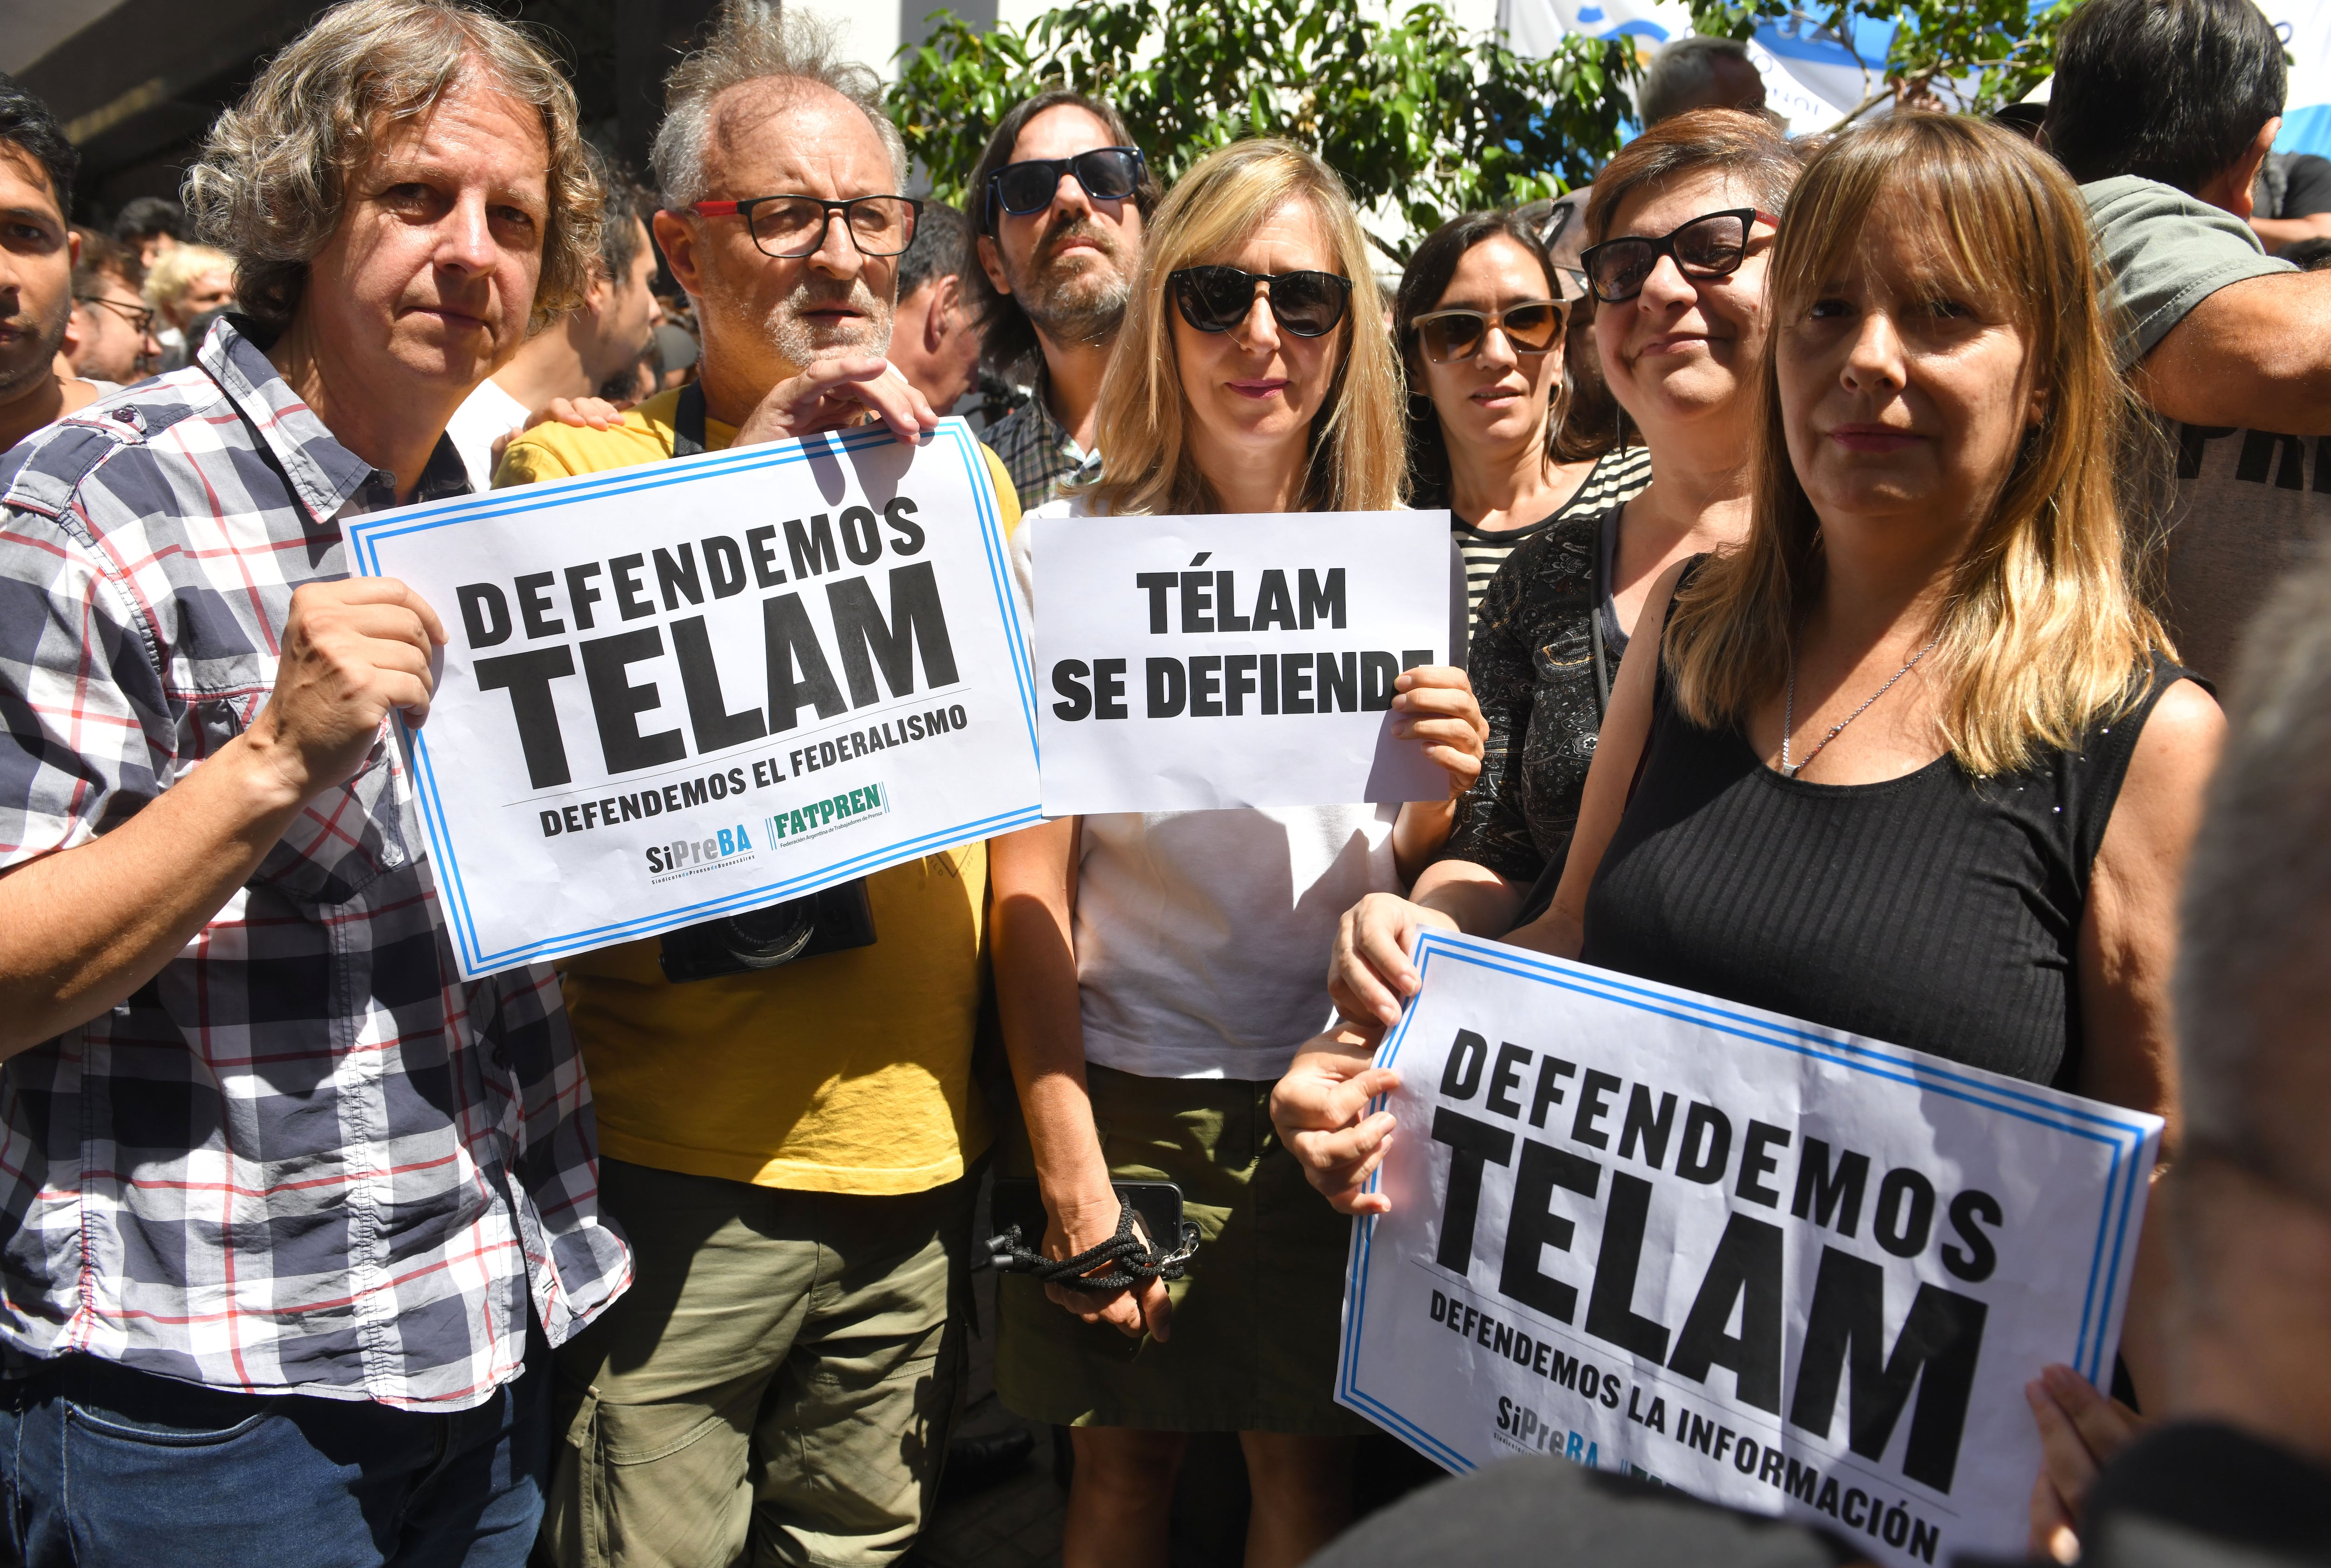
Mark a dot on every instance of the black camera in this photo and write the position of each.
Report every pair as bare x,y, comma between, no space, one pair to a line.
830,921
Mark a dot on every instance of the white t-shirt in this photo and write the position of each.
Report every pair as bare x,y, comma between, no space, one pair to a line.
1203,938
485,416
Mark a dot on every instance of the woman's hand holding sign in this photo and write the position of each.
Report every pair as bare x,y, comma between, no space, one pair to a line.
1320,1106
1437,707
831,393
2080,1431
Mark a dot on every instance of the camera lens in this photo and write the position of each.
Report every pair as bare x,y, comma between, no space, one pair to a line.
765,938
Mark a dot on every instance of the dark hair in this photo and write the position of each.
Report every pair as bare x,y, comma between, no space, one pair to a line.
2173,90
1007,335
2310,255
102,258
1421,286
150,215
26,123
1682,76
624,205
941,248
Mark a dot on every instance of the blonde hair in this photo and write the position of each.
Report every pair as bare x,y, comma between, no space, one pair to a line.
2043,627
178,269
273,174
1359,462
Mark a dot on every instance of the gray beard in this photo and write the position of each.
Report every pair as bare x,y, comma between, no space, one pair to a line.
803,345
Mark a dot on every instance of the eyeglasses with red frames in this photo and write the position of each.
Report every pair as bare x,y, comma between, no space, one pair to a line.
788,227
1711,246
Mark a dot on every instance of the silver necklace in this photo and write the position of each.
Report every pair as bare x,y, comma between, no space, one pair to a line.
1789,707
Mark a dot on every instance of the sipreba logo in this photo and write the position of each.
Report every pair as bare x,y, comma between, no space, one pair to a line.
823,816
690,854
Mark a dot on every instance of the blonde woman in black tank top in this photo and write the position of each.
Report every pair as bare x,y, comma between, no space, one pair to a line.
1914,760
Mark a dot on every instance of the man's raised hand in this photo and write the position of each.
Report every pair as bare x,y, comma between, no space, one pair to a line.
834,393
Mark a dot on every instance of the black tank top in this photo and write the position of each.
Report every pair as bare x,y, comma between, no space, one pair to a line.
1936,911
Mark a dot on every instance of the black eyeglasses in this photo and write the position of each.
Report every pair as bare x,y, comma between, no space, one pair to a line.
139,317
1217,298
1709,246
1108,173
790,227
1532,327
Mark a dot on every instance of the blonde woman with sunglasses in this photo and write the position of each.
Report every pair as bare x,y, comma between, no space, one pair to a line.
1155,972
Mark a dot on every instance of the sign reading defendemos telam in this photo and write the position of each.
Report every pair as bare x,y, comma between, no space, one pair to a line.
1777,1266
1199,662
695,688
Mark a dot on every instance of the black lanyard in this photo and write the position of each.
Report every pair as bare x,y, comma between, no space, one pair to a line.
688,422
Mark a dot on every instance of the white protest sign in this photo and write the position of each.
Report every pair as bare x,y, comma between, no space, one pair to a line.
695,688
1779,1266
1197,662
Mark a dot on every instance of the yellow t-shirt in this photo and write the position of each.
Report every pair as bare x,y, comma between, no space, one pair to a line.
846,1073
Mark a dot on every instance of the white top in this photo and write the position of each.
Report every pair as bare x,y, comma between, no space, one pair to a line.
485,416
1203,938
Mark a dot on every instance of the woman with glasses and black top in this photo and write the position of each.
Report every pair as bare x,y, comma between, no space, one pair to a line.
1480,321
1681,220
1155,972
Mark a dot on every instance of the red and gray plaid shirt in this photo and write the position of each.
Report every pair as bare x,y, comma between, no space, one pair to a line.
308,1157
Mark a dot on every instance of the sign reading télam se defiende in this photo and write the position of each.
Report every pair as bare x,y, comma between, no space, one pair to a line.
702,685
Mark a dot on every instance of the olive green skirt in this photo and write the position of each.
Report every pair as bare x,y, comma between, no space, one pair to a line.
1256,1322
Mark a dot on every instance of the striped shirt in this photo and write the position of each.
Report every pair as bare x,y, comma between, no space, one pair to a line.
1615,477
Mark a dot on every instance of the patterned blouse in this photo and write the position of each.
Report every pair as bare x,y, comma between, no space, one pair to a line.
1533,668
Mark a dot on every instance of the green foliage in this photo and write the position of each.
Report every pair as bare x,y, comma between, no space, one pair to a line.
1974,55
1413,110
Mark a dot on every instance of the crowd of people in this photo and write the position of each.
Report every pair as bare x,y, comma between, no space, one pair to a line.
1858,535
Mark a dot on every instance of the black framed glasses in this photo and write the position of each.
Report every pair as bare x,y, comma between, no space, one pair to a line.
1218,298
1108,173
139,317
790,227
1709,246
1531,325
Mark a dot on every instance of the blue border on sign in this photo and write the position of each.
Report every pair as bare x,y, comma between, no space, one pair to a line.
2125,1138
365,535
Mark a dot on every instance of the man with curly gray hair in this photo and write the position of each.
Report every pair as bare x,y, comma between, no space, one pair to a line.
787,1147
285,1201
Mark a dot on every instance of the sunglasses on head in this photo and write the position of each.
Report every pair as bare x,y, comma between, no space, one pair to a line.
1709,246
1531,327
1219,298
1108,173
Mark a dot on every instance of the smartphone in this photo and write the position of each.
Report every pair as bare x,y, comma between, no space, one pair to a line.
1018,1201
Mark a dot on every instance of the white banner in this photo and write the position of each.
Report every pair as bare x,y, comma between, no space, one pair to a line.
698,687
1236,661
1777,1266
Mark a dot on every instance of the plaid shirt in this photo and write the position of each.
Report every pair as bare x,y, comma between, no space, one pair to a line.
1037,450
307,1158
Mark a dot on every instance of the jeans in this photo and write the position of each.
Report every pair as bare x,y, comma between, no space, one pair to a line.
101,1465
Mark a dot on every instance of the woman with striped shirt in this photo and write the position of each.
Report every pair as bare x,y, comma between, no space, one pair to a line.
1493,432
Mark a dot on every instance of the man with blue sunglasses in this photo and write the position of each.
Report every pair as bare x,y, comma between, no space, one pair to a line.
1058,199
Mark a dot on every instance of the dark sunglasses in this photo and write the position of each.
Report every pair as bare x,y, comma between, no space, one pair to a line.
1218,298
1709,246
1532,327
1108,173
790,227
139,317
